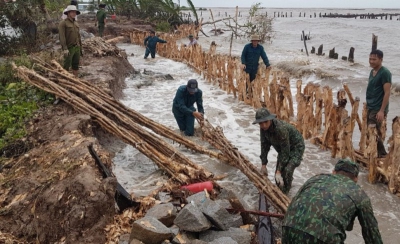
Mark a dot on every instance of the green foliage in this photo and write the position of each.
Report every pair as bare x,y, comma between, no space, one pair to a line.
258,23
18,101
163,27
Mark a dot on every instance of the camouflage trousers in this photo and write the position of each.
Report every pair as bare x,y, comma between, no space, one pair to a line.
288,170
294,236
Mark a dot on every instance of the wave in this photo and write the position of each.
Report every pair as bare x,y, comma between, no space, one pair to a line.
301,68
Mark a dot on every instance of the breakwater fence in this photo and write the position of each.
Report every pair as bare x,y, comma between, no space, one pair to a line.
321,115
382,16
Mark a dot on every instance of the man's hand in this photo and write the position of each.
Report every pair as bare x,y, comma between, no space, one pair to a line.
268,67
198,115
380,116
278,179
66,53
243,66
264,170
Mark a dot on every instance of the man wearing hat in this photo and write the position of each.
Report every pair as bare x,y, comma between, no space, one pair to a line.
286,140
70,39
150,43
327,205
101,17
192,41
64,16
183,109
251,55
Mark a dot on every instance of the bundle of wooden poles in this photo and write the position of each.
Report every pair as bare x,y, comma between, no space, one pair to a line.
128,124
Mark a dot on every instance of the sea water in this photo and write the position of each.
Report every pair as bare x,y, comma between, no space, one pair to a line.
153,98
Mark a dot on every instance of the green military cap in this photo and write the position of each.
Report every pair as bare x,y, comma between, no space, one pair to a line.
262,115
348,166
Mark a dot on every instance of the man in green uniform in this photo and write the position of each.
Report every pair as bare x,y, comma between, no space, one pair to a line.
70,39
101,18
326,206
150,42
378,92
286,140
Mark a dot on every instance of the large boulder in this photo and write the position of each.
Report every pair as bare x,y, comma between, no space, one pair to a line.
165,213
150,231
191,218
218,215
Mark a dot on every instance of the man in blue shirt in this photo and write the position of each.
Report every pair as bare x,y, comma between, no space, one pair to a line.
150,43
183,109
251,55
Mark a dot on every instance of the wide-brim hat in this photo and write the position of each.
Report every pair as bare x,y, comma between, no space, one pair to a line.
262,115
254,38
192,85
71,8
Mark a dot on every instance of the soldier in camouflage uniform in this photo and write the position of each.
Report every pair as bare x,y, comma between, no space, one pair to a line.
326,206
286,140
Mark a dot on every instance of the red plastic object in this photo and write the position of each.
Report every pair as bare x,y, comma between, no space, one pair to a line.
198,187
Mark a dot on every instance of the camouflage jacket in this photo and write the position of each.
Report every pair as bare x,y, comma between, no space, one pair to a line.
327,205
286,140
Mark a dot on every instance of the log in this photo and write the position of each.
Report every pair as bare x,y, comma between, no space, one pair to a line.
371,153
352,101
394,155
374,42
351,55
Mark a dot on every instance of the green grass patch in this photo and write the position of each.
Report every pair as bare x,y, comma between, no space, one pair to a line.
18,101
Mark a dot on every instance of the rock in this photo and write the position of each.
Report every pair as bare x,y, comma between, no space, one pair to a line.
135,241
217,215
174,229
224,240
164,197
237,234
165,213
191,218
237,203
198,199
237,220
42,47
224,203
184,237
168,77
124,239
150,230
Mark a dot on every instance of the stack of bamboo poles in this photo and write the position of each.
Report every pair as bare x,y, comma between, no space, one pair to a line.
216,137
98,47
115,118
125,123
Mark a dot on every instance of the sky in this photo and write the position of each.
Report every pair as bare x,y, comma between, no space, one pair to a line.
297,3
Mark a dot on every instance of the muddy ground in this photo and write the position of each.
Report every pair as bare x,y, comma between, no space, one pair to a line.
54,192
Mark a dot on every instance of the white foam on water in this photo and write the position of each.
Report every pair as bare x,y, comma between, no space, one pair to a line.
153,98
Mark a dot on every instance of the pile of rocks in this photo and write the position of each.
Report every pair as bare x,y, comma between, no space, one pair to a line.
202,220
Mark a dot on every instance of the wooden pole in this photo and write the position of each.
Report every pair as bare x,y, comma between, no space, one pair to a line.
374,42
215,26
372,153
351,55
305,44
236,23
230,46
350,95
394,156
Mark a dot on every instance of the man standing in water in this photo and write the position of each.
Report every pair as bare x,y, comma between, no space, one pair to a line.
183,109
251,55
378,93
286,140
150,43
101,17
326,206
70,40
